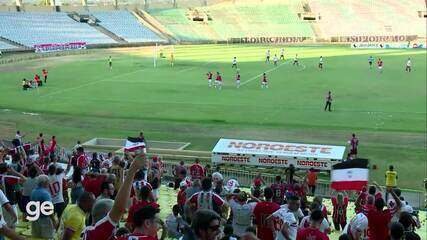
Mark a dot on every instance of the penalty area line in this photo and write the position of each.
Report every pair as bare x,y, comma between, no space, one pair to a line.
259,75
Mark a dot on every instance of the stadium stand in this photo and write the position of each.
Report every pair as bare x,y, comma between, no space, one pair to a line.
125,25
4,46
337,17
235,20
47,27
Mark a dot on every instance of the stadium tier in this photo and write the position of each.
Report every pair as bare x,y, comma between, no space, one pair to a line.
229,20
47,27
369,17
125,25
4,46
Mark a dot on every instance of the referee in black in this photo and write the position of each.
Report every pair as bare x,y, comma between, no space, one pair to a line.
328,101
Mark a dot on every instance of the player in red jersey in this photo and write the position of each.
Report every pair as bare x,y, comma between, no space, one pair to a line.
380,65
218,81
209,75
339,214
261,212
354,142
37,80
264,82
197,171
313,232
106,219
44,72
238,79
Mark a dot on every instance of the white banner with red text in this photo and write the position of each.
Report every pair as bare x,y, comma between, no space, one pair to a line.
55,47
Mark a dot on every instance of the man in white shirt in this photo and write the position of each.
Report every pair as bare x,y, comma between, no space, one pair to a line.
242,212
408,65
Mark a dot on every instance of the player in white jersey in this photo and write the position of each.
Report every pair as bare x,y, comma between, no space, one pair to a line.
267,56
234,63
275,60
282,54
296,61
408,65
321,63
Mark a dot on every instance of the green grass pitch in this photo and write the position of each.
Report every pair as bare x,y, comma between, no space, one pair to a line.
84,99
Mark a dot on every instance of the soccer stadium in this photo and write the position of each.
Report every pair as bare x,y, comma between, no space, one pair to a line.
213,119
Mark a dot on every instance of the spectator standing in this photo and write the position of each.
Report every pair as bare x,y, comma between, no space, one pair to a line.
262,211
390,179
197,171
312,180
44,227
339,214
180,172
206,225
357,227
74,217
242,212
313,232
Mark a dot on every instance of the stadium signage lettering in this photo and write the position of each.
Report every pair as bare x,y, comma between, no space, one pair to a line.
279,147
395,38
54,47
272,161
269,39
237,159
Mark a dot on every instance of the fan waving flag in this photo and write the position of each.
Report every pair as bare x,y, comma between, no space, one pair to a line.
350,175
133,144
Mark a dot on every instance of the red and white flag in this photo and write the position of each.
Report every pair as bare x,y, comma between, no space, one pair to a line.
134,144
350,175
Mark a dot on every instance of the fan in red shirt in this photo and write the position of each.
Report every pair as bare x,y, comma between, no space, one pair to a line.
82,160
262,211
181,197
339,214
313,232
279,189
197,171
146,199
106,218
146,221
206,199
44,72
92,182
379,219
52,149
322,206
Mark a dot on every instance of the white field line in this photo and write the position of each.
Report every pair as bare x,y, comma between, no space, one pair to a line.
259,75
91,83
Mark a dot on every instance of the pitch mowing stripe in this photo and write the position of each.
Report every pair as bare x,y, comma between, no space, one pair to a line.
257,76
91,83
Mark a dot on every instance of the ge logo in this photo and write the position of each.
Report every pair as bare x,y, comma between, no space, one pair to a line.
35,208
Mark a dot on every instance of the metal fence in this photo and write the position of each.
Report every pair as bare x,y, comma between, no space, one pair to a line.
245,177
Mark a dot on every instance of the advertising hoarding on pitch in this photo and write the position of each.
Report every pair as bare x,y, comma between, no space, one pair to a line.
276,154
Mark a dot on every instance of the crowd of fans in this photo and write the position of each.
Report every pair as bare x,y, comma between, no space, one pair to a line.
103,191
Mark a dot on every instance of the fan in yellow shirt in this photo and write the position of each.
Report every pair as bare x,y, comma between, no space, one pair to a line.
391,177
74,216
